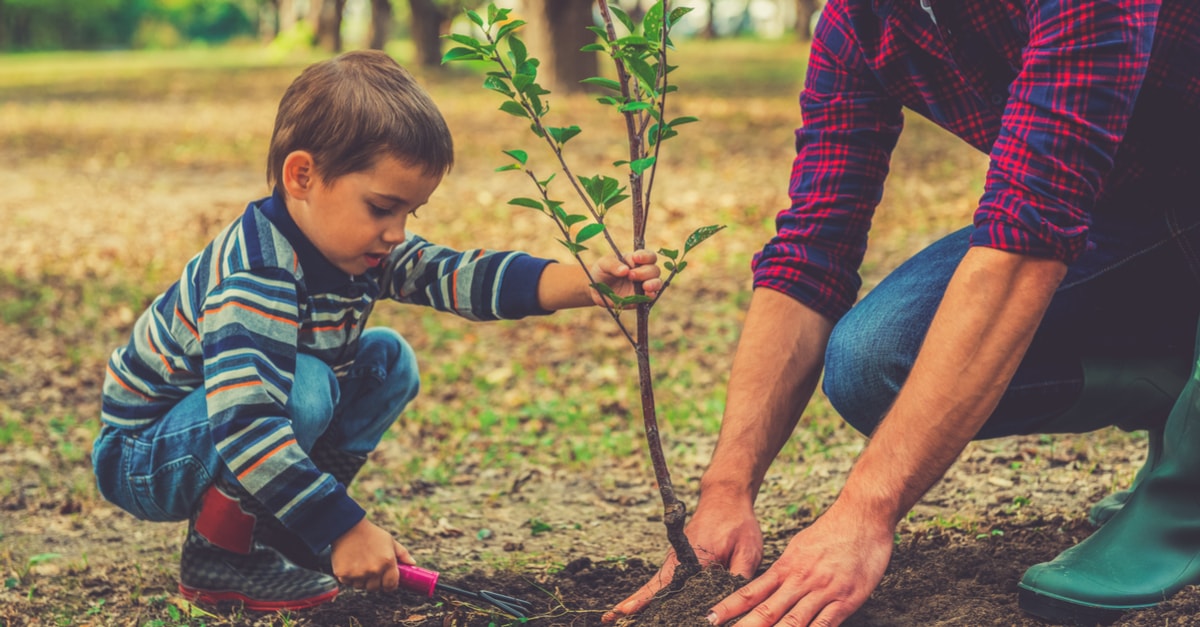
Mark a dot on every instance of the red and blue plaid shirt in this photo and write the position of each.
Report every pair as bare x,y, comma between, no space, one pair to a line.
1082,105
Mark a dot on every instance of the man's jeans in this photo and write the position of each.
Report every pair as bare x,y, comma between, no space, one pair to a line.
160,472
1134,294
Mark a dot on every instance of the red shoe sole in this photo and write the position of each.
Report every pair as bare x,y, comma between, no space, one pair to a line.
217,598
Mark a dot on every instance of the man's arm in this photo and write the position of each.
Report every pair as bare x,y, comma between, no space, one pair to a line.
991,310
775,371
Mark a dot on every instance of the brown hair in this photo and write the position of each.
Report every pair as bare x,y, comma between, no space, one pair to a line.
350,110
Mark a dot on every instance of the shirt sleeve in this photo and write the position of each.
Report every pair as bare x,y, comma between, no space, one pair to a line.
1067,112
849,129
474,284
250,333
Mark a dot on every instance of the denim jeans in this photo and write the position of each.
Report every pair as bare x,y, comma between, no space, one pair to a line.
160,472
1134,294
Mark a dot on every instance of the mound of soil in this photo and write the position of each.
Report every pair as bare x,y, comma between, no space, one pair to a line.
936,578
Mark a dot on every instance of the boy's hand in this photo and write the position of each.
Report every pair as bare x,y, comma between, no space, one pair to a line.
365,558
622,279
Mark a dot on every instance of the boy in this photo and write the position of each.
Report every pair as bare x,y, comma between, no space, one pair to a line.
251,393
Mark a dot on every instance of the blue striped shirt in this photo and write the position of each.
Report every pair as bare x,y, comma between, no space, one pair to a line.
259,294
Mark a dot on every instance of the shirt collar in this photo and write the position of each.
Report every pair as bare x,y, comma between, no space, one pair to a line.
319,273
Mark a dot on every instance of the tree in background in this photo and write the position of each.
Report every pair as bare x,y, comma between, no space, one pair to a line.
381,24
556,32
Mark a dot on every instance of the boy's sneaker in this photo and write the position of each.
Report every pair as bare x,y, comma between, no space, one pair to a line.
222,562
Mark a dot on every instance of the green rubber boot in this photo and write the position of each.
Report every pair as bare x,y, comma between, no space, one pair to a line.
1107,507
1132,394
1149,549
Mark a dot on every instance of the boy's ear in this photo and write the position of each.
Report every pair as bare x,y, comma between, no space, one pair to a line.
299,174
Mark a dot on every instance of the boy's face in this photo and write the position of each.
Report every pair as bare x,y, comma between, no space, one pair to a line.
359,218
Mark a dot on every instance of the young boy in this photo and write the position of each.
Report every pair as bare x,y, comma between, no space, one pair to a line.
251,392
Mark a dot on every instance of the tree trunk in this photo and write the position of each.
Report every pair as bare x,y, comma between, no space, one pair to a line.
805,10
381,24
328,24
557,30
268,20
428,20
710,26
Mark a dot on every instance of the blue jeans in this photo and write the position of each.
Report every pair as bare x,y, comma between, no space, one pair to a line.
160,472
1134,293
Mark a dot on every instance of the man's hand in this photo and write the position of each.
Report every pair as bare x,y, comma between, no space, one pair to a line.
722,531
365,558
826,573
621,278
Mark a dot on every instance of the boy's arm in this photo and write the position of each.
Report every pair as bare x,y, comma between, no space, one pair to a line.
249,329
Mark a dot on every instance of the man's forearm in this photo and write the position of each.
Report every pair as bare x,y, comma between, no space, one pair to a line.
978,337
775,370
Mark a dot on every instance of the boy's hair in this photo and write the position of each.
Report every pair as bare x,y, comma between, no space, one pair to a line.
350,110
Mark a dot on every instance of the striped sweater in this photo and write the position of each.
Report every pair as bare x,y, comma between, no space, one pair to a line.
245,306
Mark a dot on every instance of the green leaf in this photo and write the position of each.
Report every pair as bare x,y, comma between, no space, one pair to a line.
508,28
461,54
635,106
701,234
527,202
594,48
513,108
633,41
653,21
641,165
608,100
546,182
622,17
589,231
520,155
506,168
606,83
644,72
600,32
571,220
522,81
563,135
573,247
536,526
669,253
474,17
517,50
497,84
679,12
465,40
686,119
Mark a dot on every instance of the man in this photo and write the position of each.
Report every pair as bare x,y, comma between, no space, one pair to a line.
1069,305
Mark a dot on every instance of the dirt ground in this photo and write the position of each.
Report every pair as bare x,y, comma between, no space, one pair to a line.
109,180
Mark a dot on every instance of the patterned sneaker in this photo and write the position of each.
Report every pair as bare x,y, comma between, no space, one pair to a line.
222,563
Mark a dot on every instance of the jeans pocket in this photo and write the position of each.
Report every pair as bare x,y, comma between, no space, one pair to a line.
168,492
131,474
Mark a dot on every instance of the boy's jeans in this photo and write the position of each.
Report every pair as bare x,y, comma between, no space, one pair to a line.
1134,293
159,473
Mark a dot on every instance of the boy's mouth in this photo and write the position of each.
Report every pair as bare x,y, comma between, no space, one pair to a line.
374,259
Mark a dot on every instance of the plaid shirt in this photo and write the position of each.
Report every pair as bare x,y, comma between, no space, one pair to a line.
1082,105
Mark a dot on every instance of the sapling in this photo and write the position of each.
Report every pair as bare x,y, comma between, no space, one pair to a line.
639,95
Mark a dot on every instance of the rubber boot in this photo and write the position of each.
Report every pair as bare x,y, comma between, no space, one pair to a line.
271,532
221,561
1131,394
1107,507
1146,552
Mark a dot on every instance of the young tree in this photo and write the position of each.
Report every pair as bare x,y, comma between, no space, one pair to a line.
639,95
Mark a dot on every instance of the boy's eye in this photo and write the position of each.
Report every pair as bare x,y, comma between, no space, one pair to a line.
379,211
